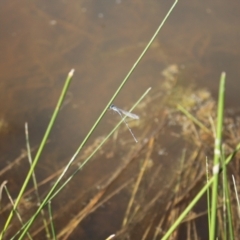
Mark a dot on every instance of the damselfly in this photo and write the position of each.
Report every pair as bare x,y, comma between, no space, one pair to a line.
128,114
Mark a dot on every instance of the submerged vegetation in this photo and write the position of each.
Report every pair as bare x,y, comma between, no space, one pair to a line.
160,175
166,185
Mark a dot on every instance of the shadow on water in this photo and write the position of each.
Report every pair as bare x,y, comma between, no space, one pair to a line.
41,41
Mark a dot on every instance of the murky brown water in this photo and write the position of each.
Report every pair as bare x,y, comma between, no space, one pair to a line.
41,41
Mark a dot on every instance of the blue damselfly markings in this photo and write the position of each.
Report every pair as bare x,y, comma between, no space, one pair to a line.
128,114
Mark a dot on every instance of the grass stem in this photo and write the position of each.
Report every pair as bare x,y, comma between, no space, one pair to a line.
43,142
217,155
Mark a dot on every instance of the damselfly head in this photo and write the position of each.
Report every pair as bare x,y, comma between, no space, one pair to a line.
111,106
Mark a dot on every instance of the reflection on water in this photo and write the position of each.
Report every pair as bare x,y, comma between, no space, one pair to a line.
41,41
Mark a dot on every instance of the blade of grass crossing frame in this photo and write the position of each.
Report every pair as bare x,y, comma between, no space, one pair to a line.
16,212
236,193
208,197
51,221
227,201
40,149
123,82
217,154
35,182
190,116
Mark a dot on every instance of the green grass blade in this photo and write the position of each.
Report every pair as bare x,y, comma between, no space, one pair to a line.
44,140
51,221
193,119
217,154
35,181
236,193
227,202
16,212
208,198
